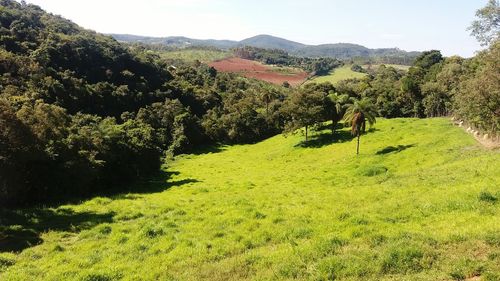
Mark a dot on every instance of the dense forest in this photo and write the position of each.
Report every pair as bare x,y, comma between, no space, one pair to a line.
81,112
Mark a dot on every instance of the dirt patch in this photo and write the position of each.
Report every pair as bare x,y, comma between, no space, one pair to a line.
256,70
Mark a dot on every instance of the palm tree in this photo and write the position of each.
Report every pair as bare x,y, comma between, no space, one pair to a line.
357,114
267,96
338,103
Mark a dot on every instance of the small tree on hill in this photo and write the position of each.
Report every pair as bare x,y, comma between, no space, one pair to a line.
357,114
304,109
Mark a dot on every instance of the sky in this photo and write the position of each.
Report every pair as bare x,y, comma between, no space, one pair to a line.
412,25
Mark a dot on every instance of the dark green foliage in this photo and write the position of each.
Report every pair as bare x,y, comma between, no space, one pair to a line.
81,113
307,108
486,196
357,68
480,85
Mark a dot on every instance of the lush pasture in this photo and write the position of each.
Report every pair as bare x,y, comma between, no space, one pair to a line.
396,66
420,202
338,74
191,55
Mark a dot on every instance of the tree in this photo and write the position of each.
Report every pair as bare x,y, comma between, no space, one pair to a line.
357,114
478,97
305,108
337,109
267,96
486,28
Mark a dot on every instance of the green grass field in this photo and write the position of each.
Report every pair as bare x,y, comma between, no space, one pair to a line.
337,75
396,66
191,55
420,202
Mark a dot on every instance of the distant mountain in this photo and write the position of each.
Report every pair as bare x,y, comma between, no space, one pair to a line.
271,42
339,50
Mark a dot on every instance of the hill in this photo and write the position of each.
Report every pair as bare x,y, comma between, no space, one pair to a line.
419,203
271,42
340,50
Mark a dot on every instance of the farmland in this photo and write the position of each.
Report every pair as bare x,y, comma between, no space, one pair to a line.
419,203
252,69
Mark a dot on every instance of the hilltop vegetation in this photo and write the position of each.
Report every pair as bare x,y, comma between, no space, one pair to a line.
338,51
419,203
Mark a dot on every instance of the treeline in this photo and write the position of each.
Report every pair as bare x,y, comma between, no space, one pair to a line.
406,59
437,86
315,66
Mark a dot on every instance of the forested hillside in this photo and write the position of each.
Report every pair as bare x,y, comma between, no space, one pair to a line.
81,113
76,105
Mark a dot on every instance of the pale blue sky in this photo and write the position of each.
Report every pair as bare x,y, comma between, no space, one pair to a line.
409,25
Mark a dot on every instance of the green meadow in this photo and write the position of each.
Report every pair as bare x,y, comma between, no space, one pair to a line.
396,66
338,74
420,202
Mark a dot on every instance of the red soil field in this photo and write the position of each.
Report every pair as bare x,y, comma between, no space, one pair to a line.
253,69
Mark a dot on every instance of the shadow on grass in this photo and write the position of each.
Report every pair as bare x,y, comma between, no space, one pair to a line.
204,149
323,139
159,183
396,149
20,229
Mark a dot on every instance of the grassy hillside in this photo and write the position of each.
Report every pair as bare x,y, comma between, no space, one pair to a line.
419,203
191,55
338,74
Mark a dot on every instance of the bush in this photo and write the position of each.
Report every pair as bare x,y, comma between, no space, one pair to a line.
486,196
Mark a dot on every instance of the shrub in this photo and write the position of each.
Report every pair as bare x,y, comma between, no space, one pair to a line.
486,196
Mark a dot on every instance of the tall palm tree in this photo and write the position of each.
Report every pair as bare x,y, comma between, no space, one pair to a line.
267,96
357,114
